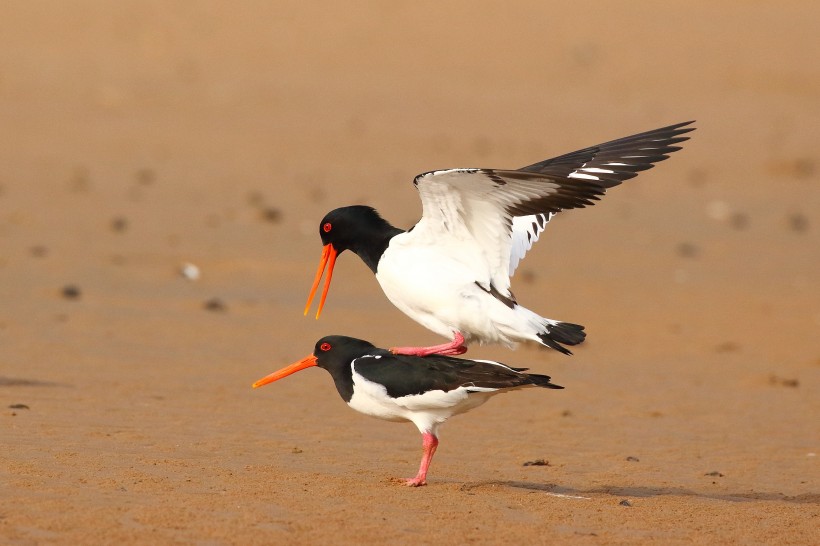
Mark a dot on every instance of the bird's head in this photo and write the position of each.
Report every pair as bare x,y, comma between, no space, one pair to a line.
347,228
331,353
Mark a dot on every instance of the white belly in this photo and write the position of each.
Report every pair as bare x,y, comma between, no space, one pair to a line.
427,411
438,290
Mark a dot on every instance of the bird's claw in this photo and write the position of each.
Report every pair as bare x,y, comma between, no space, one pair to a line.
409,482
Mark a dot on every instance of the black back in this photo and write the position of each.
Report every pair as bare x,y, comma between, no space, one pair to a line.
404,375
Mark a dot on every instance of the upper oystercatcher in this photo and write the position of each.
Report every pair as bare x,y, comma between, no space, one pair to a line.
451,271
425,390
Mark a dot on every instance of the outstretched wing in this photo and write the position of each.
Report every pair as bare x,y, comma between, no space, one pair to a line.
612,162
479,206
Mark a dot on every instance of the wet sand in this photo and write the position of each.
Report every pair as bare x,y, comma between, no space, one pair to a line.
140,137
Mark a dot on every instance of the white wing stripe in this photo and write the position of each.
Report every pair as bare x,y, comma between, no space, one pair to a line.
576,174
595,170
525,232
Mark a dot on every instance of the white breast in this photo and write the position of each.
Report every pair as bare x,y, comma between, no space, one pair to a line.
433,284
427,411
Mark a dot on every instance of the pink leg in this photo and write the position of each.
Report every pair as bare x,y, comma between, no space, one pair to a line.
429,443
455,347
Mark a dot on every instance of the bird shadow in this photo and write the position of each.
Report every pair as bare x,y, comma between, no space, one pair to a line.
644,492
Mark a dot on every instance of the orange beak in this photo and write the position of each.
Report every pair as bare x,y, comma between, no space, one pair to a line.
328,259
306,362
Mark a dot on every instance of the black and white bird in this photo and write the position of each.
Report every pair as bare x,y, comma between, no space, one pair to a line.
424,390
451,271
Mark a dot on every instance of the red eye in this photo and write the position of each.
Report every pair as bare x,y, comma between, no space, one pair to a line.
324,346
327,227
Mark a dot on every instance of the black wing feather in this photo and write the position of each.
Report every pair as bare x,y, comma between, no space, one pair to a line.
638,153
404,375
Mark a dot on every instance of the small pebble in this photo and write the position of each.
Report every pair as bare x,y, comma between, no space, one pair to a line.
798,223
727,347
714,473
296,450
632,459
71,292
18,406
272,215
537,462
527,276
687,250
215,304
625,503
190,271
38,251
119,224
783,382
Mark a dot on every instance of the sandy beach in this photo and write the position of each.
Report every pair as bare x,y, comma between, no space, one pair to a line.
137,137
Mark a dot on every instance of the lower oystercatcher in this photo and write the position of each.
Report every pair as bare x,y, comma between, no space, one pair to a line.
451,271
424,390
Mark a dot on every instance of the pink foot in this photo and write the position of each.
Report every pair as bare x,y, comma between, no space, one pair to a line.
454,348
409,482
414,482
429,444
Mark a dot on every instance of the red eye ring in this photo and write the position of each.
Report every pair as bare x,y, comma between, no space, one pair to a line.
324,346
327,227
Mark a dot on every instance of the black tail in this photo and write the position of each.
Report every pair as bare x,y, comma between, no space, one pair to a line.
542,381
563,332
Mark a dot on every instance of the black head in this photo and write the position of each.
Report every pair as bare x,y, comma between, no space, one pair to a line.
334,352
358,228
353,228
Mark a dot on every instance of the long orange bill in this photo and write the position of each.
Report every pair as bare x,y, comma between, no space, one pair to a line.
328,259
306,362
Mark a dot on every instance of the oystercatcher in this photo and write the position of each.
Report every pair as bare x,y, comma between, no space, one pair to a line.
451,271
424,390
